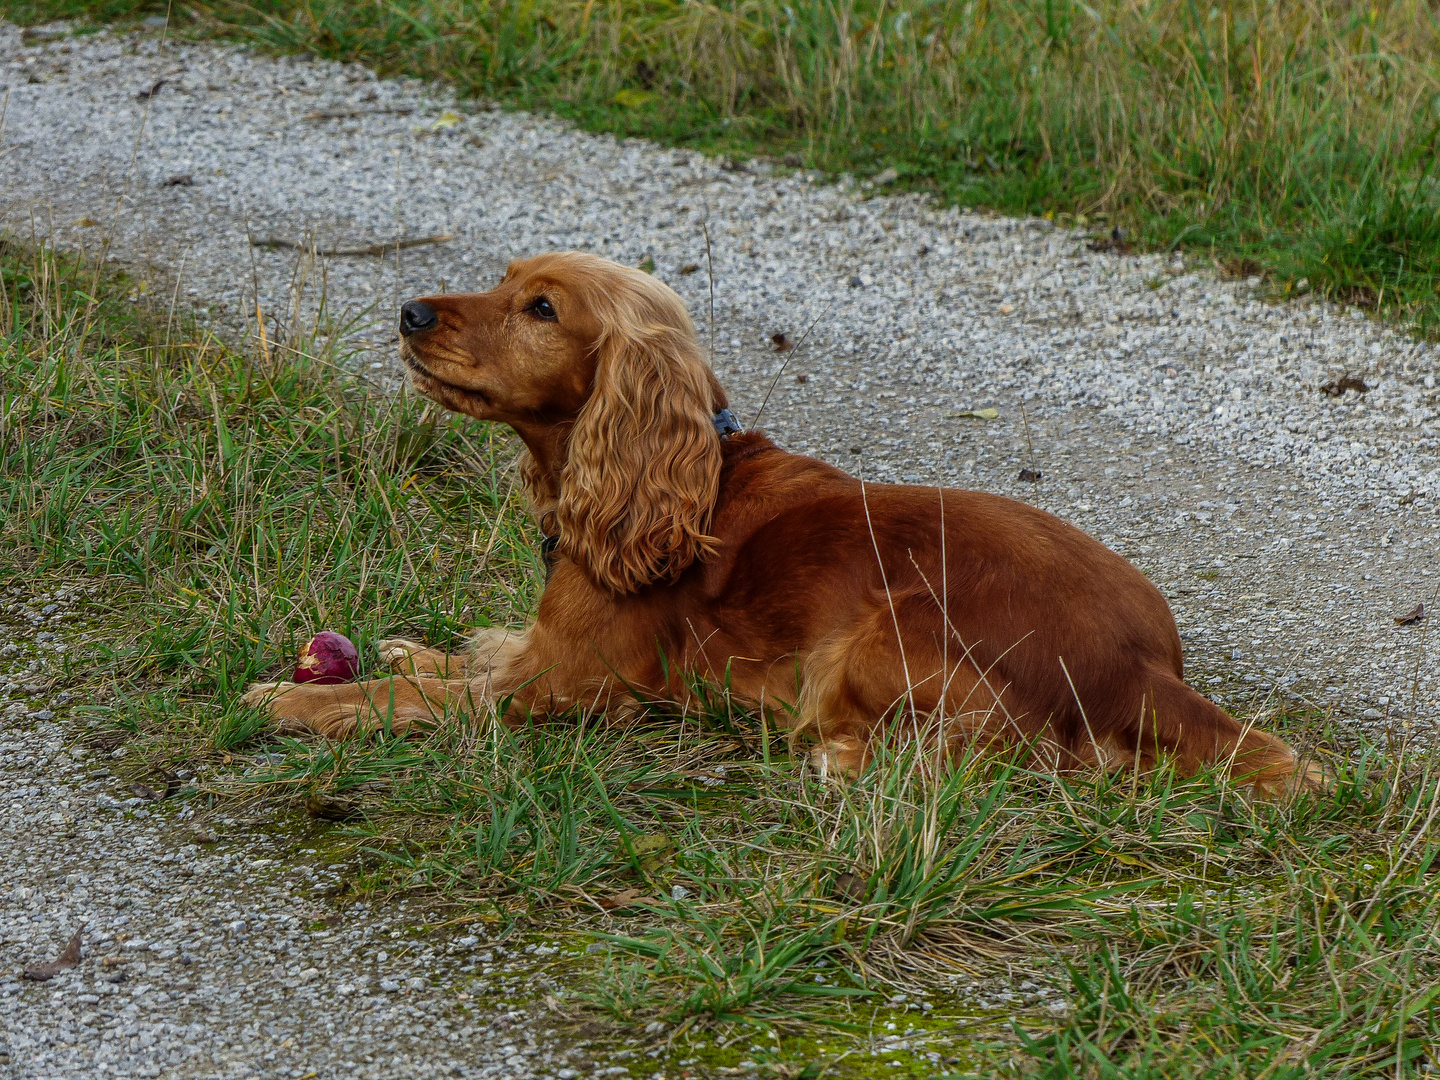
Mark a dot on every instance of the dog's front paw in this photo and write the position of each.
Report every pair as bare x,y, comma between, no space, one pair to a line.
259,695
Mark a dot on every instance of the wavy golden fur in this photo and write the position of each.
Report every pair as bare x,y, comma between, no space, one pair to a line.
867,609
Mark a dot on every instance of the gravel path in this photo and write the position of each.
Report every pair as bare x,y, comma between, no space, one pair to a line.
1179,418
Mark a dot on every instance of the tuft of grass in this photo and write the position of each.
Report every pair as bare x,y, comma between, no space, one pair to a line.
1185,931
218,506
1291,139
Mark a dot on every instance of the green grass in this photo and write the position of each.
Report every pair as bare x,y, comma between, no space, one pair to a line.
1294,139
219,506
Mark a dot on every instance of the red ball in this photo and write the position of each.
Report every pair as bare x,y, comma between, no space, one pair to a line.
329,658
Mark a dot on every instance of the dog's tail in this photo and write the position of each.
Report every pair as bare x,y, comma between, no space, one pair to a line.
1182,723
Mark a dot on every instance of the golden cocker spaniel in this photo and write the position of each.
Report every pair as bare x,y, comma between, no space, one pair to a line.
681,547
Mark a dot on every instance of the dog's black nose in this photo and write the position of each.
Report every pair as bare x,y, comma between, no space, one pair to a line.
415,316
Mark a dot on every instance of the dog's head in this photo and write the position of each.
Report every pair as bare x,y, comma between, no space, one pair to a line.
596,366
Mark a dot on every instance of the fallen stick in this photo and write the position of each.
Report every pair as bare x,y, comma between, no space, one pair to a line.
350,114
367,249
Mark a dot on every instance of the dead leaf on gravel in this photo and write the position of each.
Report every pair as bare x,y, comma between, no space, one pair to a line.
1412,616
106,741
154,88
1030,476
329,806
978,414
625,899
150,794
689,268
1336,387
781,341
64,962
180,180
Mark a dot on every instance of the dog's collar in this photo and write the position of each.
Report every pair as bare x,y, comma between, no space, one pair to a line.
725,424
548,543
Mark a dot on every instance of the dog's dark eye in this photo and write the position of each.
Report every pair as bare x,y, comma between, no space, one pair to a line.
544,309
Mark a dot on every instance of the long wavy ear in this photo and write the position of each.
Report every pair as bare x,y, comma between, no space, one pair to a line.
643,467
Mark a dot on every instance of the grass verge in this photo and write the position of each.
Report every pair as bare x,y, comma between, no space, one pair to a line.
1292,139
713,897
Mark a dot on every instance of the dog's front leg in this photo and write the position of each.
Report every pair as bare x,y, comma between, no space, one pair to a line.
544,670
393,705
